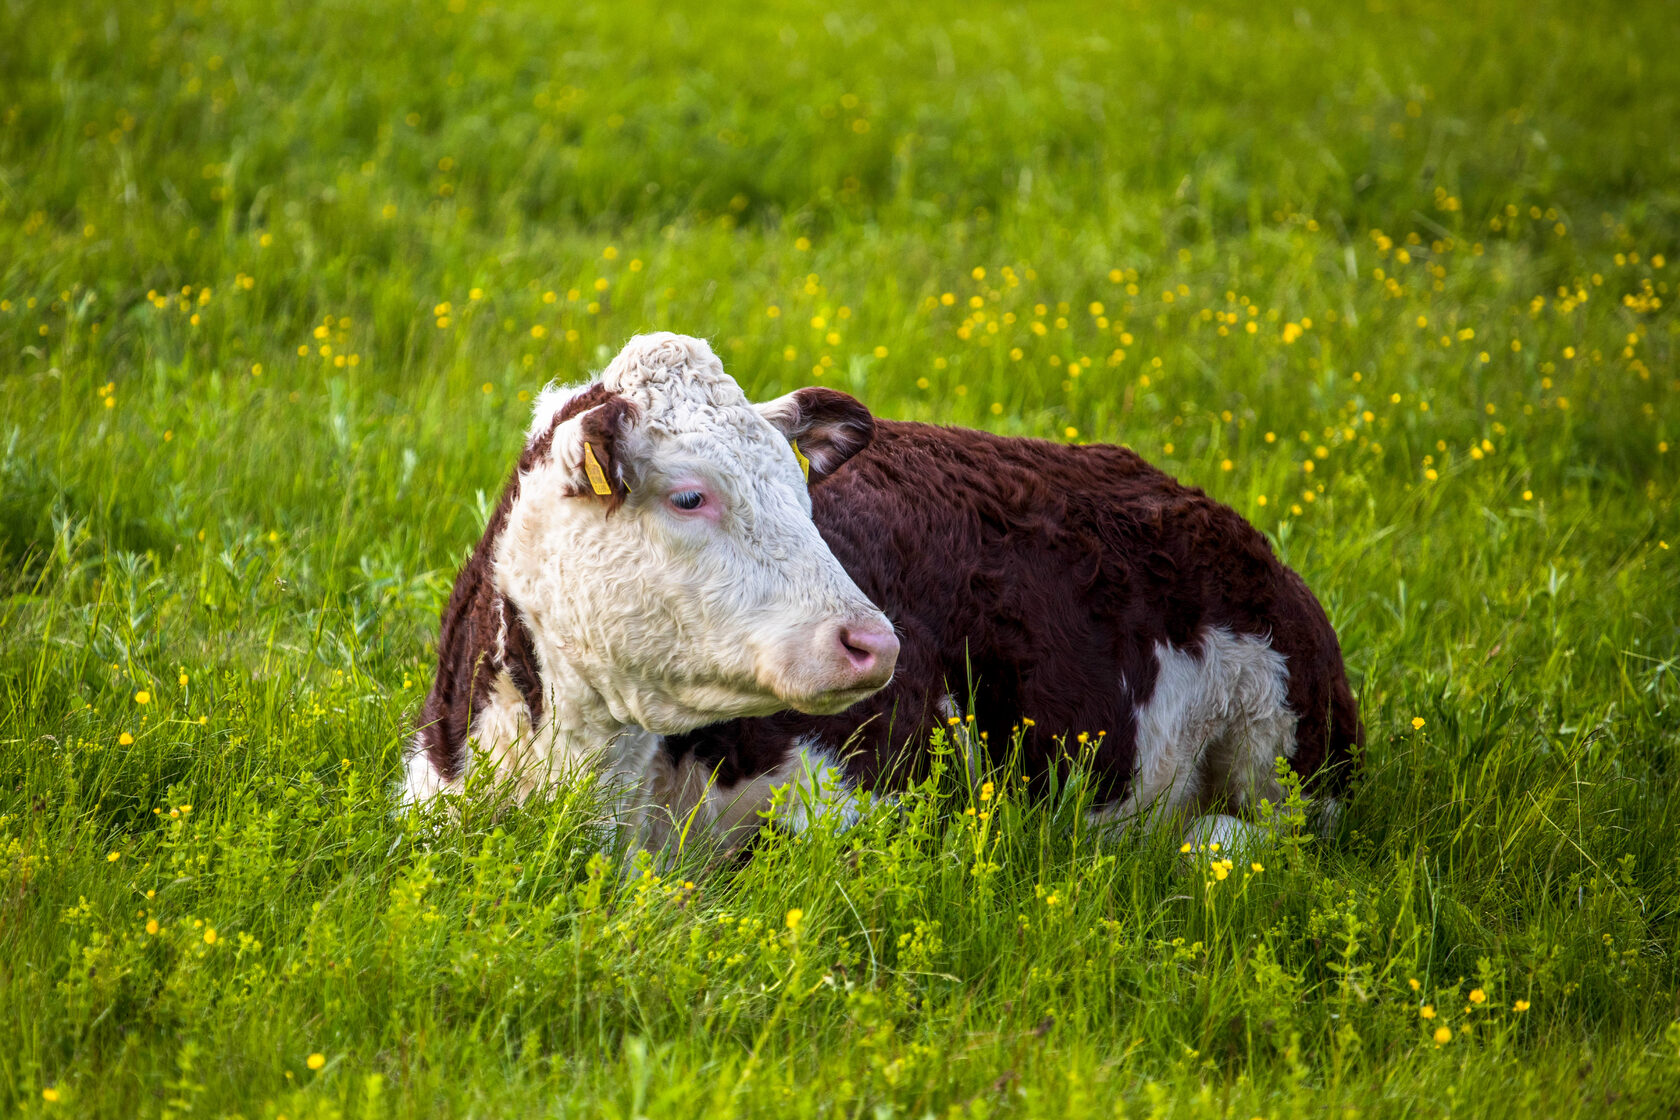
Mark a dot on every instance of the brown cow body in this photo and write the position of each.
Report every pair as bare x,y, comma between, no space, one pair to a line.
1055,584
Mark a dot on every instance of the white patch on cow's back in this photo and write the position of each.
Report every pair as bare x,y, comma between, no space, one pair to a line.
1213,725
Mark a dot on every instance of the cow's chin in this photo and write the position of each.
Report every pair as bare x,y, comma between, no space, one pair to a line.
830,703
696,708
673,716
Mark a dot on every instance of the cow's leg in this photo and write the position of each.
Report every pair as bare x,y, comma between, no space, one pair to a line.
1262,727
691,807
1222,836
421,782
817,789
1216,719
500,733
1174,729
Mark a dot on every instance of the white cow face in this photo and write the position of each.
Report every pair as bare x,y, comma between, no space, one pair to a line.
661,545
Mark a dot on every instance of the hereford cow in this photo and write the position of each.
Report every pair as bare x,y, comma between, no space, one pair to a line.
1052,590
651,567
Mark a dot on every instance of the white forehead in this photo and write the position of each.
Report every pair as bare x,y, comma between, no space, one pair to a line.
684,398
676,379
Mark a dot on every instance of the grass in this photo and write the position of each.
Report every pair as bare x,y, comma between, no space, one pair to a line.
1396,281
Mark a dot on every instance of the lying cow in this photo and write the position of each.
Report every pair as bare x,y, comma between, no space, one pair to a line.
667,556
651,567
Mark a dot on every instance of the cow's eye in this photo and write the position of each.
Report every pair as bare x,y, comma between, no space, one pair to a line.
688,499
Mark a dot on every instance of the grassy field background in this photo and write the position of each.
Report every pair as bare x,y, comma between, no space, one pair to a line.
1395,280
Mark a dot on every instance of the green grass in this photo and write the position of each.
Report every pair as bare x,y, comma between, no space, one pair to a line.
275,290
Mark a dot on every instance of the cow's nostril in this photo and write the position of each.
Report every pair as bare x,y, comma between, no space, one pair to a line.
861,658
868,648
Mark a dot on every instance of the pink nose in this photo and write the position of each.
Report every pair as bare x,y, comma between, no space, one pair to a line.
870,649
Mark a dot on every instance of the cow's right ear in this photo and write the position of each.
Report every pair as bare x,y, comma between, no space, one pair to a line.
585,434
827,427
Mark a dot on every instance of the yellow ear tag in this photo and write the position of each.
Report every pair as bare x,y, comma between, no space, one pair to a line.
592,468
804,463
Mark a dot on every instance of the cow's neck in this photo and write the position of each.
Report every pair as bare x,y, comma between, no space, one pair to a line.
573,726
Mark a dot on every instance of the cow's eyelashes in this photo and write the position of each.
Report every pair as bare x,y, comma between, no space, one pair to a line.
688,499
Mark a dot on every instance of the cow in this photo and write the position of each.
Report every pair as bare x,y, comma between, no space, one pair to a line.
1049,599
651,567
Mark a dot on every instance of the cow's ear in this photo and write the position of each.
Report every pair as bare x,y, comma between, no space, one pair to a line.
826,427
587,435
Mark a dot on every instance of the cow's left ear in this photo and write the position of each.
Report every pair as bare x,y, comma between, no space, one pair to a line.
826,426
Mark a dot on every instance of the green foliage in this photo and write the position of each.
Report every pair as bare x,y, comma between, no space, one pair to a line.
1395,281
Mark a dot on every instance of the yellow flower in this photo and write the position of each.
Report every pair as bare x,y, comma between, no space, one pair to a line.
152,926
1478,996
142,697
315,1061
210,936
1427,1011
113,857
1443,1035
1520,1005
794,917
1417,723
1257,867
986,791
1413,984
49,1095
183,680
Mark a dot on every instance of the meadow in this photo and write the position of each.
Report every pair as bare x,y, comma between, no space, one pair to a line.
277,283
